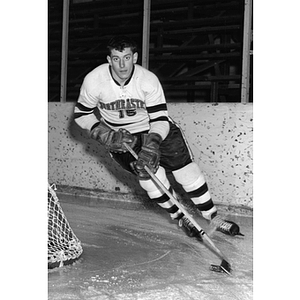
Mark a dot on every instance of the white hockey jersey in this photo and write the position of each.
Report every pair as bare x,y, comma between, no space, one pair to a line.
137,106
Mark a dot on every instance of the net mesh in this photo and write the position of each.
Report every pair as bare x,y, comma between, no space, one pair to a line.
63,245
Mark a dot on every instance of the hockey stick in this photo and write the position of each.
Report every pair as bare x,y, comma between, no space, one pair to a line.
224,266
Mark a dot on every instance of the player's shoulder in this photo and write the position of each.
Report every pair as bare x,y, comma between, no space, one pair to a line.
146,76
97,75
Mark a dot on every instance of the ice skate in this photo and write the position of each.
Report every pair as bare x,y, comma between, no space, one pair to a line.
225,226
188,227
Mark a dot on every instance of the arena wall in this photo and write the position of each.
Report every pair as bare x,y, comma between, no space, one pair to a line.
220,137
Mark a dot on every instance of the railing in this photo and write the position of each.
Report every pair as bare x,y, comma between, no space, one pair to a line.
197,55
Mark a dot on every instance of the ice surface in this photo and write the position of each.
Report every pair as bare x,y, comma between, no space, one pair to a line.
138,253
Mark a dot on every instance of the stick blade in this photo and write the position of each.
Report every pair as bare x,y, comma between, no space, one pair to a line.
224,267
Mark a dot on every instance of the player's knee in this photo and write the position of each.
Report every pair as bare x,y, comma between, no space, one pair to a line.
151,188
189,176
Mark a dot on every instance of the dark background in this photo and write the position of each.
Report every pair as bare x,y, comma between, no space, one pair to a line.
195,46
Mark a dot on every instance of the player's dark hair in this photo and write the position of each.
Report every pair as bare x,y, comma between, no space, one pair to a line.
120,42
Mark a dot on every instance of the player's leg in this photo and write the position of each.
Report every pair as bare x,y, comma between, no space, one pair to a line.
154,193
159,196
193,182
163,200
177,157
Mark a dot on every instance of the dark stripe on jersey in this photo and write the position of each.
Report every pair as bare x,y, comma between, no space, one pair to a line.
199,192
95,125
156,108
163,118
81,107
205,206
116,124
78,115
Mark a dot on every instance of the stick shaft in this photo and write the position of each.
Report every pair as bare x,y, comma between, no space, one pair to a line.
165,190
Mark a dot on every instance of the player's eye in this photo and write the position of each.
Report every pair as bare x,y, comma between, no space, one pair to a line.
115,59
127,57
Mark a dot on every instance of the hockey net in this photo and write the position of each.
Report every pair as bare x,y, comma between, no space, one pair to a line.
63,245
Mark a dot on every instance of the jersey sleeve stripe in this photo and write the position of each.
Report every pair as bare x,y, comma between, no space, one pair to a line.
81,107
80,114
157,108
84,116
162,118
81,110
95,125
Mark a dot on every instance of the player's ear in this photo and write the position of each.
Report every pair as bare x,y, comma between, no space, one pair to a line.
135,57
108,59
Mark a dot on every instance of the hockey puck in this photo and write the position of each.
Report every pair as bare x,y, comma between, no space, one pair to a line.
216,268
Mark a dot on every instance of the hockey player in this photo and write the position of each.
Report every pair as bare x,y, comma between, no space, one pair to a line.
133,109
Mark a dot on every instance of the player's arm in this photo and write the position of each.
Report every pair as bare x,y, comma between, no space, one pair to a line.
85,117
159,128
87,102
157,110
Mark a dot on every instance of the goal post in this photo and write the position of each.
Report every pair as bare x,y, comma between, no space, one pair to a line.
63,245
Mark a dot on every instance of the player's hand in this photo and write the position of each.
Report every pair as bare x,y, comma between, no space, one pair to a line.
113,140
149,155
116,140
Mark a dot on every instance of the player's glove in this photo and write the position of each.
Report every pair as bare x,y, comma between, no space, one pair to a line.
111,139
149,155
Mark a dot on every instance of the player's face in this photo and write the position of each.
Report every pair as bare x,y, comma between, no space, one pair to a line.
122,63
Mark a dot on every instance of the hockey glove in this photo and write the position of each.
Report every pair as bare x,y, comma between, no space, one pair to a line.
111,139
149,155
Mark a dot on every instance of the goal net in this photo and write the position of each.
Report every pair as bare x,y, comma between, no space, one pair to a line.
63,245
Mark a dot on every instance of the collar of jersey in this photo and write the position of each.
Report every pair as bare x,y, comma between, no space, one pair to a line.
126,82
